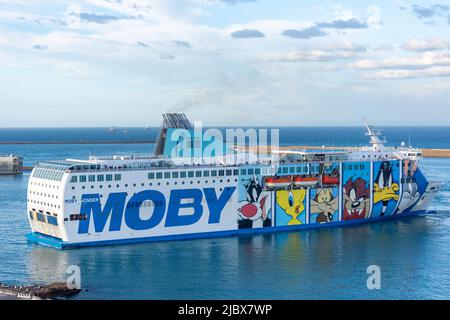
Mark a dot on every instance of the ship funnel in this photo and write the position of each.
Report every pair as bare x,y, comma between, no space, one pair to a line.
171,121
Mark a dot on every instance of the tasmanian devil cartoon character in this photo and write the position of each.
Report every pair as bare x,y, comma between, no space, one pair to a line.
254,213
384,187
356,199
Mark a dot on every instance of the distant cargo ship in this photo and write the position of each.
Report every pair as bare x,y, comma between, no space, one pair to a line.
129,199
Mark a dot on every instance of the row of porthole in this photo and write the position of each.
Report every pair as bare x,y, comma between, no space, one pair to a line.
44,203
43,194
157,184
44,185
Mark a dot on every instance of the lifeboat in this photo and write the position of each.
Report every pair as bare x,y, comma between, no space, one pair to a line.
278,182
326,179
305,181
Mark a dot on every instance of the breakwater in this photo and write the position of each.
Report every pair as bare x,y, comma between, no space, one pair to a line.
427,153
38,292
78,142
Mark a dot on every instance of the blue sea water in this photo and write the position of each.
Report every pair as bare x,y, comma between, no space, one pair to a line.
317,264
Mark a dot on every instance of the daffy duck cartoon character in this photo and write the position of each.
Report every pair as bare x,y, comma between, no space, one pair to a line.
325,205
291,201
255,212
385,189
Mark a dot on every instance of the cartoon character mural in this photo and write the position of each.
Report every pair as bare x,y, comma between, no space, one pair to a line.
356,195
356,190
290,207
255,211
385,188
410,189
324,205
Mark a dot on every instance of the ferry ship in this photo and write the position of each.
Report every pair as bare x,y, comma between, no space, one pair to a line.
131,199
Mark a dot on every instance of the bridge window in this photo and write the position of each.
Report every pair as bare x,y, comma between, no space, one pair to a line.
117,177
92,178
109,177
151,175
235,172
221,173
74,179
183,174
166,175
198,174
214,173
250,171
159,175
243,172
228,173
190,174
206,173
82,178
100,178
257,171
175,175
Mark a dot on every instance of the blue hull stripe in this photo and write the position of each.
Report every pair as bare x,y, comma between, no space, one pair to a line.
49,241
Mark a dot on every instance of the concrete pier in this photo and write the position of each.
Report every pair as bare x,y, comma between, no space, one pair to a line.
427,153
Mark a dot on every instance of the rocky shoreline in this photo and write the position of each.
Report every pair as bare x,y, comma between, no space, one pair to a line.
38,292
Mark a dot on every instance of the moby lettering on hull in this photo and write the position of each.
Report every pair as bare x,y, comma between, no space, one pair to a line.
115,211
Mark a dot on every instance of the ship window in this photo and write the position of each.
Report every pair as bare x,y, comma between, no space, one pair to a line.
198,174
100,178
117,177
82,178
206,173
166,175
221,173
183,174
235,172
292,169
74,179
109,177
151,175
243,172
362,167
214,173
228,173
175,175
285,170
250,171
92,178
190,174
159,175
52,220
41,217
258,171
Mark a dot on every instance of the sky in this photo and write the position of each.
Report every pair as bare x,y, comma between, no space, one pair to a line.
224,62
